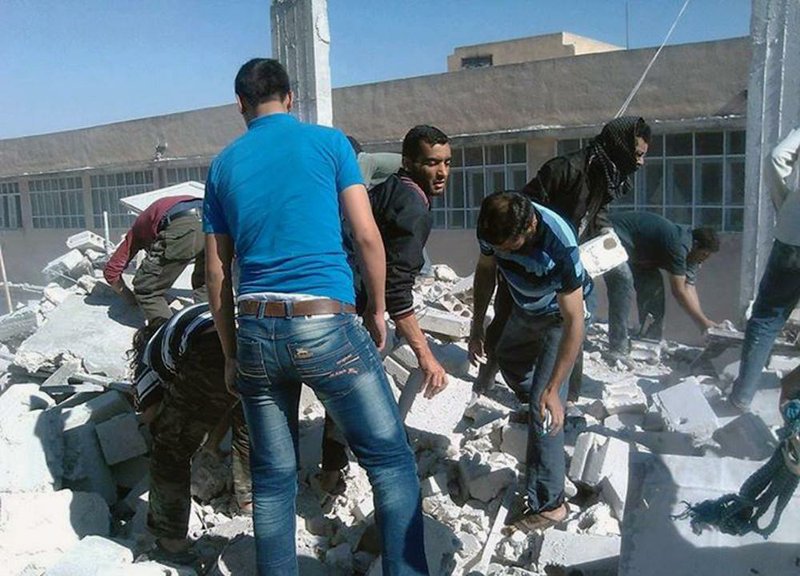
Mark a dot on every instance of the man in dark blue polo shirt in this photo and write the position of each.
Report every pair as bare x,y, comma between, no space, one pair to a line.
537,254
653,243
274,198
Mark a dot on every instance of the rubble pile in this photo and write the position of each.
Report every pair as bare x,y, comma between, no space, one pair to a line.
74,454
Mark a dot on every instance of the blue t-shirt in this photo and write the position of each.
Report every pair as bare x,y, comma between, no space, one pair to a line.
549,263
275,192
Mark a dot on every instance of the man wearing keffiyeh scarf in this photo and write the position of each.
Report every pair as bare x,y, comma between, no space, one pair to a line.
578,186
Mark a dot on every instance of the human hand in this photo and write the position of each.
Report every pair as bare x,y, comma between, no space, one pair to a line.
231,367
434,377
476,351
551,402
375,323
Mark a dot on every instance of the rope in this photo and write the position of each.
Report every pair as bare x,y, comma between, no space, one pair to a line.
638,85
739,514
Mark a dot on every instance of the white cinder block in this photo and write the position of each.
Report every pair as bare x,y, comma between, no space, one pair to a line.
120,439
686,410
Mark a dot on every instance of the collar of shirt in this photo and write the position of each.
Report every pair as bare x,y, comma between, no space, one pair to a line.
271,119
406,179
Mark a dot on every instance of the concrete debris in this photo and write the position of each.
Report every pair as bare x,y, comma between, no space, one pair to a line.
67,424
601,254
86,240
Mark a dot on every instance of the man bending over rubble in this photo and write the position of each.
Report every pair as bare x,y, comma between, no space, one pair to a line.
274,198
779,290
169,231
536,252
401,206
578,186
179,369
653,243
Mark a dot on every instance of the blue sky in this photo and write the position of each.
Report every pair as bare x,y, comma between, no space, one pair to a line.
71,64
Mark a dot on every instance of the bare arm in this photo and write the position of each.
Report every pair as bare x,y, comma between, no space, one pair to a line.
219,280
571,306
686,295
435,377
482,288
369,247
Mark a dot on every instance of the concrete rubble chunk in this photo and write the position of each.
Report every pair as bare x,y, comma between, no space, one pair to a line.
686,410
92,556
439,415
434,485
31,445
444,323
85,467
19,324
603,253
86,240
396,371
453,305
38,528
515,440
103,344
484,410
746,437
602,462
98,409
120,439
624,396
484,476
582,552
69,265
444,273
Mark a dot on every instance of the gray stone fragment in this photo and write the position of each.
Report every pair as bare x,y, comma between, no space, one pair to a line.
686,410
85,467
600,554
120,439
19,324
746,437
92,556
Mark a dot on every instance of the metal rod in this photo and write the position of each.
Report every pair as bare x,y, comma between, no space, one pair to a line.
6,289
107,232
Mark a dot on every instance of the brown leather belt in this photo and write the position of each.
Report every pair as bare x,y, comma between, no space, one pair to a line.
288,309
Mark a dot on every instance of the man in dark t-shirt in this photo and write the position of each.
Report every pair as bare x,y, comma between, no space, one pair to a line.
653,243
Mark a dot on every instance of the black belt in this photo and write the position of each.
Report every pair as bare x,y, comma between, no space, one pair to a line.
288,309
181,210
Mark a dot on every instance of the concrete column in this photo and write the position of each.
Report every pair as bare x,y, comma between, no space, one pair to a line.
773,109
301,42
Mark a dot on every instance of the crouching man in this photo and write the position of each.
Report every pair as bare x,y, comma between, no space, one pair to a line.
537,254
179,372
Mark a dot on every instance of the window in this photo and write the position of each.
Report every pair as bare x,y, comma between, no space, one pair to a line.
476,62
107,189
476,172
695,178
10,206
57,202
184,174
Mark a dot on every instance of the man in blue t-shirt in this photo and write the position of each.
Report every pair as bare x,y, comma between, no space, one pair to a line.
537,254
274,198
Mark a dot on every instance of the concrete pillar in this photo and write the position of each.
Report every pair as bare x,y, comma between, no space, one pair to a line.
301,42
773,109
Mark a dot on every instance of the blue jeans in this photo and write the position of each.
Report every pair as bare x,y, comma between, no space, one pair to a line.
527,353
622,283
778,294
336,358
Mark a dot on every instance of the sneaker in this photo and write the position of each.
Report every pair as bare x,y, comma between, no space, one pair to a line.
529,520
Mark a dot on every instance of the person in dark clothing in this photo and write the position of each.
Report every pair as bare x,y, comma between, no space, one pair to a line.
578,187
401,207
653,243
178,370
169,231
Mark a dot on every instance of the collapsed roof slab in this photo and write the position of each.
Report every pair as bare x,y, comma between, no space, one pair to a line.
655,544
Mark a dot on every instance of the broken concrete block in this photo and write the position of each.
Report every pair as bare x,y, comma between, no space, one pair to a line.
120,439
130,473
85,468
444,273
363,509
483,476
444,323
38,528
453,358
19,324
434,485
451,304
92,556
86,240
783,364
625,421
405,356
103,344
746,437
726,364
686,410
579,552
624,396
601,254
210,476
396,371
55,293
601,461
98,409
484,410
31,450
439,415
648,351
64,265
515,441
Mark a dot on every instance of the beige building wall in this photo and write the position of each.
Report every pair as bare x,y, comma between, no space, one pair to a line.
545,47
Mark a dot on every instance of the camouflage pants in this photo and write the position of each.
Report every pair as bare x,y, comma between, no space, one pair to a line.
192,406
175,247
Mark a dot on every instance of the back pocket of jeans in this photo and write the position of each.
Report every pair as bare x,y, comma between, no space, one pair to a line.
326,357
249,358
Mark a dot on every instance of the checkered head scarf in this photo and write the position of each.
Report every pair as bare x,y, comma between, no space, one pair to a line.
615,149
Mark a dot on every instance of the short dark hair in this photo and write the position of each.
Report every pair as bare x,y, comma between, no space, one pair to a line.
261,80
357,148
503,215
140,340
642,130
705,239
422,133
